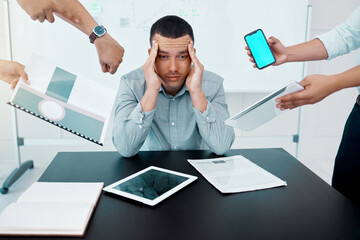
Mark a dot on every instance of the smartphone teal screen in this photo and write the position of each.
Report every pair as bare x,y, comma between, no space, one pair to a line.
259,49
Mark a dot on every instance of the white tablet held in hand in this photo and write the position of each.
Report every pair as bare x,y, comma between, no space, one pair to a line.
151,185
263,110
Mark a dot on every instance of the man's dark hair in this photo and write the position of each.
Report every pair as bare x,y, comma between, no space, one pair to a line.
171,27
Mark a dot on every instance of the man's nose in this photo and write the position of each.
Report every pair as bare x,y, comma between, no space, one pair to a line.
173,65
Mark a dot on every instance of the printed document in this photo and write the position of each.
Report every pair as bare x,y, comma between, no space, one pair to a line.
74,103
235,174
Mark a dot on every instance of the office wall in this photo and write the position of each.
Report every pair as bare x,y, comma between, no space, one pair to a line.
321,124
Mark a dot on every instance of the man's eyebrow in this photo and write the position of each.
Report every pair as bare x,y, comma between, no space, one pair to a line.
183,52
163,52
180,52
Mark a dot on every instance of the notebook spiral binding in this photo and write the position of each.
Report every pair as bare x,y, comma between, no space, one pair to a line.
54,123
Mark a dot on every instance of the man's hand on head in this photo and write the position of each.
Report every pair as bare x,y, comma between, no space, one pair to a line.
194,78
153,81
194,81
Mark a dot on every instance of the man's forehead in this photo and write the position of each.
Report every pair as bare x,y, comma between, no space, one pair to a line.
172,43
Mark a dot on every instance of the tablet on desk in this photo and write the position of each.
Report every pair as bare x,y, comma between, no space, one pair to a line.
263,110
151,185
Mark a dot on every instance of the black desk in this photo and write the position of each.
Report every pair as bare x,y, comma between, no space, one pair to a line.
308,208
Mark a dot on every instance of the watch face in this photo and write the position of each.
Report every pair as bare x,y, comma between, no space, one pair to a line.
99,31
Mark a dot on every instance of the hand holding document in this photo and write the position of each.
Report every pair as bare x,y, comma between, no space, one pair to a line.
73,103
235,174
261,111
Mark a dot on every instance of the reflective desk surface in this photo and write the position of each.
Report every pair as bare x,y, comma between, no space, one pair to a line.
307,208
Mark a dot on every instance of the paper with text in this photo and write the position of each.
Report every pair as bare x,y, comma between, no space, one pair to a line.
235,174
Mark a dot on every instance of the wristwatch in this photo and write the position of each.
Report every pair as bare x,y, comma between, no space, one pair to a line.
97,32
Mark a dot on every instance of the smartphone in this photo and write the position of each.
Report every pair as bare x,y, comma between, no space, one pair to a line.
259,48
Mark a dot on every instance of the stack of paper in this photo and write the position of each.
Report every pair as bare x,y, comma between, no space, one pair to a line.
235,174
51,209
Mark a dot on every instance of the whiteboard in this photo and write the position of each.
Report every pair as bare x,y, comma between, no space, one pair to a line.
219,29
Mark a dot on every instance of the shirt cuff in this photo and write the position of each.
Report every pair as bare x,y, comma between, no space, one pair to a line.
208,116
140,117
331,43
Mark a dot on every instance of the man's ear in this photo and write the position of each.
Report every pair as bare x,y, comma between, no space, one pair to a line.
149,50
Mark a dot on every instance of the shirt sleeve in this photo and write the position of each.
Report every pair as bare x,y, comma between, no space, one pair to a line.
131,125
344,38
218,136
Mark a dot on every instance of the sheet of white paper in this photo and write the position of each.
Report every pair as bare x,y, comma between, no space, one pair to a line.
45,218
62,192
235,174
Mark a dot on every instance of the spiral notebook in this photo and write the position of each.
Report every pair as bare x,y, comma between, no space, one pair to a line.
78,105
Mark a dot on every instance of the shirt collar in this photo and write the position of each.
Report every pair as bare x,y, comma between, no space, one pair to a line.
181,92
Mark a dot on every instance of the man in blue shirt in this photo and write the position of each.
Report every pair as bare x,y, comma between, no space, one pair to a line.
341,40
171,102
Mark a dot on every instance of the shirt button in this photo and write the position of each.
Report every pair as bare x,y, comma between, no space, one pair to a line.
140,126
174,147
172,124
173,100
207,118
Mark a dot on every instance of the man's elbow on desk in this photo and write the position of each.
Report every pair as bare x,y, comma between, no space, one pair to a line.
124,151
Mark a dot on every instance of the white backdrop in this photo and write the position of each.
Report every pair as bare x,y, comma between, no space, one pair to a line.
219,28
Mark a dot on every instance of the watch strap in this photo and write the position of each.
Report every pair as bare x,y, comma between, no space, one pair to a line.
92,37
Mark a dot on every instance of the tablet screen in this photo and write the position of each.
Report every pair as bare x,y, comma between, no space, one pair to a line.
150,185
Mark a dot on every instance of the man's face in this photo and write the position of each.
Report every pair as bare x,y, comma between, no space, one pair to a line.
173,62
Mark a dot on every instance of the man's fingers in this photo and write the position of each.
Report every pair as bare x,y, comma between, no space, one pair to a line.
252,60
273,40
41,17
291,104
33,16
193,57
50,16
104,67
20,71
247,47
154,50
113,69
293,97
13,85
152,56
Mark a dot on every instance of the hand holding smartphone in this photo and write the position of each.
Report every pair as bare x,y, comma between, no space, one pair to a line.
260,49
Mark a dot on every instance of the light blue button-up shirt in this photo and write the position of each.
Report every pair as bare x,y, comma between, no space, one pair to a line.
344,38
174,124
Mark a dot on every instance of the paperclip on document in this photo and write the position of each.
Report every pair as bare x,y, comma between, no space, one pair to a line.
262,111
